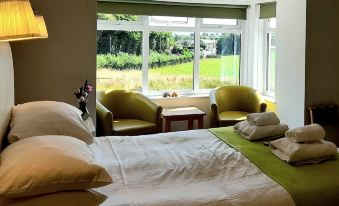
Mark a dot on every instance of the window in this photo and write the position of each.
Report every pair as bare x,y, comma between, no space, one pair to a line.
119,60
171,61
220,59
270,62
161,53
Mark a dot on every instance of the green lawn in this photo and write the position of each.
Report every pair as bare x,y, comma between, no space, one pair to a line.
213,72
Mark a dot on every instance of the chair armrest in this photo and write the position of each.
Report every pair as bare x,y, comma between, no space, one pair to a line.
214,109
104,120
146,109
258,102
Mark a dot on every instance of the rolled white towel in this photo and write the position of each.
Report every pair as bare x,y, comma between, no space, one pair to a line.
259,132
309,133
291,152
263,119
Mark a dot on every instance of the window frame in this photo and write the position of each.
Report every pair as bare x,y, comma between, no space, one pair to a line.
267,33
143,25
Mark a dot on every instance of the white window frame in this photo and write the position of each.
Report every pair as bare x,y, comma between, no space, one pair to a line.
143,26
266,58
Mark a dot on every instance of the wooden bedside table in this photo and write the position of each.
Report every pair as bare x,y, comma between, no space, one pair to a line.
184,113
90,125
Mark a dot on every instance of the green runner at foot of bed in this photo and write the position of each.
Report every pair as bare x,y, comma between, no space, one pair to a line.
309,185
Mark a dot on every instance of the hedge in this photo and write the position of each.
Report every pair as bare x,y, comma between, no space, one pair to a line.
124,61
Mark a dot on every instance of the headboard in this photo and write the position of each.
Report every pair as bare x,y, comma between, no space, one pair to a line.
6,88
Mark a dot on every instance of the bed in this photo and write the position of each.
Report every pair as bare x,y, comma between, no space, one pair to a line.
188,168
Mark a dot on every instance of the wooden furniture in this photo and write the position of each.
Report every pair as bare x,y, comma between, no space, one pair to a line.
181,114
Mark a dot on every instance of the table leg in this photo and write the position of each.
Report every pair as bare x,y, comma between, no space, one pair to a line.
201,123
190,124
168,125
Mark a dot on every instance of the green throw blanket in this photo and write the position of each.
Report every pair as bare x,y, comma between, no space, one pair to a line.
309,185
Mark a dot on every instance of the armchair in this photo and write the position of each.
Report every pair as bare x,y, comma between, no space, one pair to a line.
231,104
121,112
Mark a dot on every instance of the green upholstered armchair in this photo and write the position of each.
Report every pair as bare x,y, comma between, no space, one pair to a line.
121,112
231,104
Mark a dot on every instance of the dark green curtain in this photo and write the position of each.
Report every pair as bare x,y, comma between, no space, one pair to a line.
161,8
268,10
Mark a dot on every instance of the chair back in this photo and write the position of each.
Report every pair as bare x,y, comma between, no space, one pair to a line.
237,98
119,102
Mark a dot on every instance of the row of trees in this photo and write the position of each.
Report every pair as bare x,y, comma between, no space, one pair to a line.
130,42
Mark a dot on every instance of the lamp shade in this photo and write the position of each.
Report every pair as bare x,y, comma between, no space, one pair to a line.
42,30
17,21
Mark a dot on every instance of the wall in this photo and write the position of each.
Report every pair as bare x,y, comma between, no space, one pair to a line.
322,76
52,69
322,79
290,69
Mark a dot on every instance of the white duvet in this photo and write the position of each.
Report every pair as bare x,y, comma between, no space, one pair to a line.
183,168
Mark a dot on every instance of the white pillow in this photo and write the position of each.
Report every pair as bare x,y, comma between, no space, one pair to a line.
47,118
47,164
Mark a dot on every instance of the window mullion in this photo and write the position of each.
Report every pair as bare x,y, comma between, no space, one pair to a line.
145,56
196,66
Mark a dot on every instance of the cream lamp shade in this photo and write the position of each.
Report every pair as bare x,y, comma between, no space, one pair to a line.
41,26
18,22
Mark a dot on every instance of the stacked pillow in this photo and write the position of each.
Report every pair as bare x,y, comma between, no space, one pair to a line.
304,145
49,143
260,125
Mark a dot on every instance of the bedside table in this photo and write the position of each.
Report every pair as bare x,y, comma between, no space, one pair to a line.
184,113
90,125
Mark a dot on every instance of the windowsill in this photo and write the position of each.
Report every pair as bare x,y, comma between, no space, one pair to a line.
200,94
269,99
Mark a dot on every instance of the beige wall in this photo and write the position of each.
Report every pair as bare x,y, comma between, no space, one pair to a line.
322,67
52,69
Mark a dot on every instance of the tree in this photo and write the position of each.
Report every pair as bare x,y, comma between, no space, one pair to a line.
229,44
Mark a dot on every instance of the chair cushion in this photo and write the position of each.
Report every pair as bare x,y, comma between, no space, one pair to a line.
233,116
133,127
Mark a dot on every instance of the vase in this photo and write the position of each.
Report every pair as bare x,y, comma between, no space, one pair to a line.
84,110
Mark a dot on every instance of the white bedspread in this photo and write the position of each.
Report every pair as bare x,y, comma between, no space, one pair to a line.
183,168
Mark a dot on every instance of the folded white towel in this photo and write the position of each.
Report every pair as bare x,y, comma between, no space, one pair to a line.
309,133
263,119
259,132
291,152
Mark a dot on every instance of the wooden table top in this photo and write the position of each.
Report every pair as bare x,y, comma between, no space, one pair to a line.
182,111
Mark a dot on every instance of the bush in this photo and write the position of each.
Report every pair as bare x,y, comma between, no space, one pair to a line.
124,61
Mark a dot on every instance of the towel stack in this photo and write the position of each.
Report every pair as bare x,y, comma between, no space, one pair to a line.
260,125
304,145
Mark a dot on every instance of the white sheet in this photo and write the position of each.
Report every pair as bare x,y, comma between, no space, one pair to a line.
184,168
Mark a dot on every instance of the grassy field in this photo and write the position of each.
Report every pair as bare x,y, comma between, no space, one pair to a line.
214,72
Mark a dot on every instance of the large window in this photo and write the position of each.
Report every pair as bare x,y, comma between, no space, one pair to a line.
270,62
161,53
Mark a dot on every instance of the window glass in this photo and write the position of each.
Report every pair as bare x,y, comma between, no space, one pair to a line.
219,59
171,61
224,22
271,63
119,60
272,23
171,21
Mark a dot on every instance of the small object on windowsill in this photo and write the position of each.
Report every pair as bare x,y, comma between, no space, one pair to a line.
166,94
174,94
170,94
82,95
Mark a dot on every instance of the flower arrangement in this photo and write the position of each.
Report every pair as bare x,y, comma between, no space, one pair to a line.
82,95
